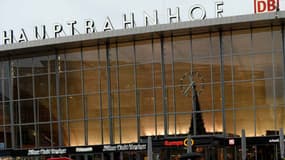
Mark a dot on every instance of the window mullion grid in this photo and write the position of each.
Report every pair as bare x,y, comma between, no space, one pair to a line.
35,108
49,101
164,90
19,104
173,86
233,83
118,93
283,58
252,79
212,84
100,94
3,103
273,78
83,98
154,86
137,91
222,81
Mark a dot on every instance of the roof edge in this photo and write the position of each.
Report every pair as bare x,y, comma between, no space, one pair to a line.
193,26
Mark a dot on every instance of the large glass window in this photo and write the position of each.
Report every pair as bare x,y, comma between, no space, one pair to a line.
241,41
73,59
94,132
77,133
64,96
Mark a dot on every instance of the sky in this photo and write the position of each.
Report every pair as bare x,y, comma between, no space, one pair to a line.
25,14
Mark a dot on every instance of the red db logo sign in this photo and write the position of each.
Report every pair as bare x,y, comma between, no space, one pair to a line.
261,6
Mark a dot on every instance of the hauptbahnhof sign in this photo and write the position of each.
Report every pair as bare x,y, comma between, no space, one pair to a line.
197,11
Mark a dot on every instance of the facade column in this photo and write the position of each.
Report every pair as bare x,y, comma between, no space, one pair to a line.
164,90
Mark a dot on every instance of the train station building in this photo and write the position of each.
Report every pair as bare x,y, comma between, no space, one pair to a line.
120,94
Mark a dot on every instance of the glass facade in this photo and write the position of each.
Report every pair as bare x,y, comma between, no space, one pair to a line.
119,92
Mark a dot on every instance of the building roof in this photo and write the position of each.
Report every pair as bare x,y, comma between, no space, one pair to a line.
140,33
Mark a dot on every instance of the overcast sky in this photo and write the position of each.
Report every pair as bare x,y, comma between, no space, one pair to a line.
17,14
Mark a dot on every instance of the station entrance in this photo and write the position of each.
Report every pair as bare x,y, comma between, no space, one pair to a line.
218,148
207,147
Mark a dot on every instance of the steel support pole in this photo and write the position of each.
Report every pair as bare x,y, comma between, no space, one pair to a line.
149,148
243,144
281,140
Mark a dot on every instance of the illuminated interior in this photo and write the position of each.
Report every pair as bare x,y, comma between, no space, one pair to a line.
80,97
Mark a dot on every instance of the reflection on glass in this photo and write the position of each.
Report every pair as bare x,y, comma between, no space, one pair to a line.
41,65
144,76
129,130
245,120
279,93
128,103
52,84
77,135
116,108
241,41
170,100
158,101
126,53
201,45
265,123
26,109
217,124
126,77
261,40
117,130
73,83
169,74
106,131
73,59
90,57
263,66
266,91
24,66
230,122
243,67
114,78
144,53
171,124
54,109
229,96
74,103
91,81
41,86
206,100
280,113
243,94
146,100
94,132
181,49
93,106
28,134
147,126
42,110
63,108
44,137
25,87
252,86
8,136
183,103
183,123
278,64
105,111
6,113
